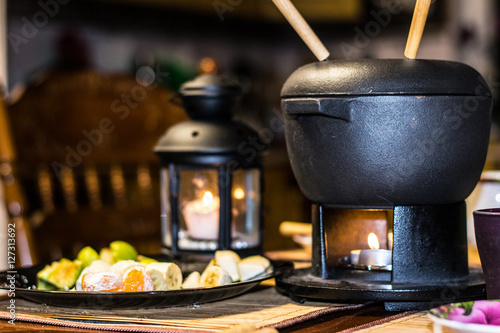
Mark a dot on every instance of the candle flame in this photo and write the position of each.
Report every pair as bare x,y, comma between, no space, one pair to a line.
373,241
239,193
208,199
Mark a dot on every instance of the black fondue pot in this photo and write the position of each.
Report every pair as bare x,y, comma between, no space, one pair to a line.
386,132
404,139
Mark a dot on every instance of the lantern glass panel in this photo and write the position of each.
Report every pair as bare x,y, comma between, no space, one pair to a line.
192,202
246,203
199,209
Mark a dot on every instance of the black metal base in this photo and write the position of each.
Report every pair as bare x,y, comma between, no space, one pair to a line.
429,260
300,285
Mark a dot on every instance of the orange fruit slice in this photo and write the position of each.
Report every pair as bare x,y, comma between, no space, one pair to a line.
136,279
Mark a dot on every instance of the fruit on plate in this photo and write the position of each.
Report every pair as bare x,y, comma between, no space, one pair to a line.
171,273
136,279
145,260
210,263
252,266
228,261
215,276
106,255
158,278
119,268
118,250
101,281
87,256
192,281
122,251
43,275
230,265
60,275
94,267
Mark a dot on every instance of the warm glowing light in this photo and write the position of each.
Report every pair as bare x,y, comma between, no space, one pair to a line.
208,66
208,198
239,194
373,241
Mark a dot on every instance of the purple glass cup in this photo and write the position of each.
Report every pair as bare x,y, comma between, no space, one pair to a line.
487,230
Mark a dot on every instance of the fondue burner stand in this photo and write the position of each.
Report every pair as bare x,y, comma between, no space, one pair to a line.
429,259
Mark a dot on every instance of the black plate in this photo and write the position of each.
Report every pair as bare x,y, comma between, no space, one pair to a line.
25,282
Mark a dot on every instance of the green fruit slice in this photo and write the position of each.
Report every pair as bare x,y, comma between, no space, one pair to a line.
87,255
62,274
123,251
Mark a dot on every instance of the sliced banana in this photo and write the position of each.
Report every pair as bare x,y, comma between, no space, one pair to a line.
215,276
171,272
124,265
210,264
192,281
252,266
228,261
158,278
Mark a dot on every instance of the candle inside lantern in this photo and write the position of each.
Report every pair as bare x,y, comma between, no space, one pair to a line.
202,217
373,256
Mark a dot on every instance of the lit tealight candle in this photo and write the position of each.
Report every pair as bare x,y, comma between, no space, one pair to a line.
375,256
378,257
202,217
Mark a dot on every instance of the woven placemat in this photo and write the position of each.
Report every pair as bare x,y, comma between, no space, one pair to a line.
407,322
262,307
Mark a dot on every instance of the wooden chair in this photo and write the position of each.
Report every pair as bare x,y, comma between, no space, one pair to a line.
84,145
14,200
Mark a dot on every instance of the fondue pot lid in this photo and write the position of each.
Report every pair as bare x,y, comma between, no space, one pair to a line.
384,77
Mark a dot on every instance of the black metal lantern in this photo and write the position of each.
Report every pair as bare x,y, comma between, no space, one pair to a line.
211,181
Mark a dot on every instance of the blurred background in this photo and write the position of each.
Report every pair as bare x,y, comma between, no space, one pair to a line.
249,38
176,40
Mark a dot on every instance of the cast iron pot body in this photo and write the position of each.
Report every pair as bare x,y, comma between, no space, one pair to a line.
386,132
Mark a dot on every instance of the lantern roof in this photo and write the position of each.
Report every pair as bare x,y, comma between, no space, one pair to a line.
211,136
